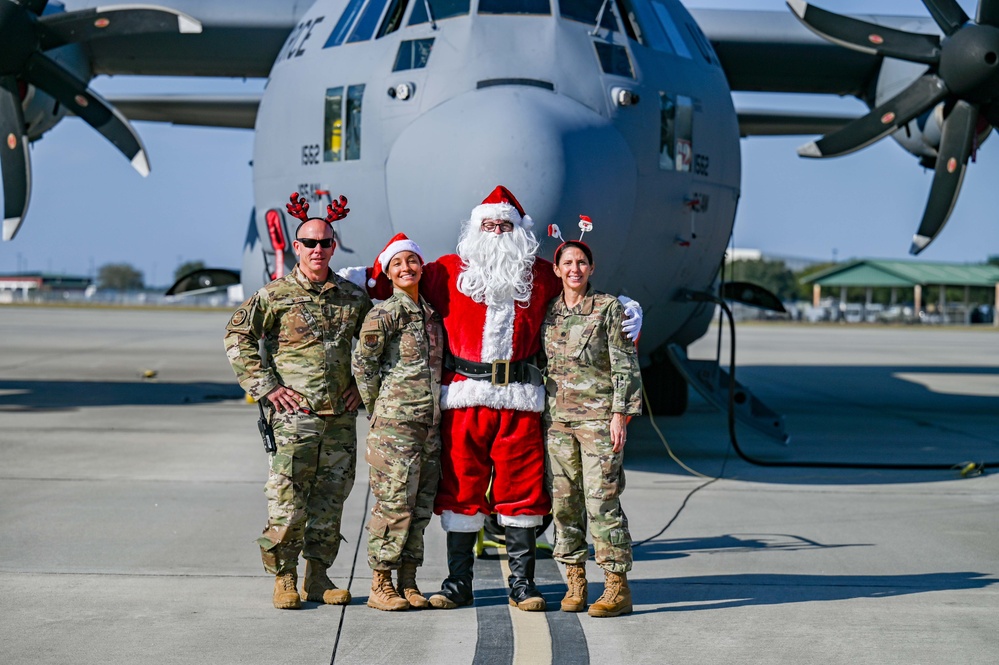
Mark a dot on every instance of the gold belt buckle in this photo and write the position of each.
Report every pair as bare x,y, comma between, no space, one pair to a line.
505,364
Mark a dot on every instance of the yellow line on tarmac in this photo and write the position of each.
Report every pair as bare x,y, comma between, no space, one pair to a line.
532,642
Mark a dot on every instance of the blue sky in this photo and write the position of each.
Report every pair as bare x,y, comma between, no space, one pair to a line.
89,207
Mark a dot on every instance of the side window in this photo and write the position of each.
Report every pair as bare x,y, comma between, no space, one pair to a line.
614,59
586,11
413,54
352,148
676,148
441,9
515,7
333,125
342,124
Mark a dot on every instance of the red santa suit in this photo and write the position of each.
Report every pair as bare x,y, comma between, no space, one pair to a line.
490,432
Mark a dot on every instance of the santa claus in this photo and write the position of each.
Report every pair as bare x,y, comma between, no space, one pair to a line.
493,295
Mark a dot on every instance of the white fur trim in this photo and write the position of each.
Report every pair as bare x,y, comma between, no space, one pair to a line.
497,334
356,275
521,521
372,282
501,211
473,392
452,521
396,247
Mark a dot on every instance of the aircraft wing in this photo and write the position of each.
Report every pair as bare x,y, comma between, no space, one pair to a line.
237,111
773,52
239,38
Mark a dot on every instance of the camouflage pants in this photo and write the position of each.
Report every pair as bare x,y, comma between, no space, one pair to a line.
586,479
311,475
405,468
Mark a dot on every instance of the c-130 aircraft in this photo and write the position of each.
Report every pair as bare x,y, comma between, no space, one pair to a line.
415,109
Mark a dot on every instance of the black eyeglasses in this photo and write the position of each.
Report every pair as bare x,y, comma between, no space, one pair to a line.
310,243
504,227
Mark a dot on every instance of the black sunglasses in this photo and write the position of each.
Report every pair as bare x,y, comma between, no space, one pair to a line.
309,243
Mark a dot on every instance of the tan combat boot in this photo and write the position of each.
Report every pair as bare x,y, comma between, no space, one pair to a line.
575,594
616,598
285,596
407,585
318,588
383,594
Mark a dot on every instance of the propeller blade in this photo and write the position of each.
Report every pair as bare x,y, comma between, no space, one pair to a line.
87,24
988,13
14,158
922,95
867,37
72,93
948,15
34,6
952,160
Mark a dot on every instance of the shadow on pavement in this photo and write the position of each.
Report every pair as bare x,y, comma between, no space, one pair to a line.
713,592
34,396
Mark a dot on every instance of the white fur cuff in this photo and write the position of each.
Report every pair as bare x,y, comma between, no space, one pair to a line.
521,521
452,521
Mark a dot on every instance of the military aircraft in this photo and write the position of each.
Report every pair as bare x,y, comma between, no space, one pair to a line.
415,109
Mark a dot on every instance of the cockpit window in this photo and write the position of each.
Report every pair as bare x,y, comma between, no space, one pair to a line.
441,9
515,7
413,54
672,32
369,20
342,124
343,25
614,59
587,11
393,17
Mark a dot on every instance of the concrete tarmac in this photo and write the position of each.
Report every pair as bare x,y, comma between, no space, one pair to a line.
130,507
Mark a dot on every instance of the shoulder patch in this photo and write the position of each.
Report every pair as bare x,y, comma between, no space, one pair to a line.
371,340
238,317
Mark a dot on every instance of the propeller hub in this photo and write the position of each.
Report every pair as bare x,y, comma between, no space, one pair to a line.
969,63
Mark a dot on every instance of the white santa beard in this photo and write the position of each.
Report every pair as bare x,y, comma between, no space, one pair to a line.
496,268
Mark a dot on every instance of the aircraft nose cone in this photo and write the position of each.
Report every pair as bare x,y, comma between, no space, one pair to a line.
558,157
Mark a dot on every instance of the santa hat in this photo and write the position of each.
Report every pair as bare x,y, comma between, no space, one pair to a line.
398,243
501,205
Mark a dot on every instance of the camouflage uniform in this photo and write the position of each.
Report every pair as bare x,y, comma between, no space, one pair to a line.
592,373
397,364
306,330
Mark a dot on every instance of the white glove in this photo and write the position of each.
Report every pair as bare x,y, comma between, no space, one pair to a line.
632,324
356,275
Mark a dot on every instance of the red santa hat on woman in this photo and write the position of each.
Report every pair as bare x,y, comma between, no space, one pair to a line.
398,243
501,205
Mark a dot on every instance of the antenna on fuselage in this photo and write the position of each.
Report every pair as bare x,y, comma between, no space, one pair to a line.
600,17
430,13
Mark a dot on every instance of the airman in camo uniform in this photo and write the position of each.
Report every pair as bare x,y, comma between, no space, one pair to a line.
397,364
593,385
306,321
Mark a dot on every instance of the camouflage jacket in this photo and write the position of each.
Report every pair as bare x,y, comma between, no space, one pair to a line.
307,332
592,366
397,362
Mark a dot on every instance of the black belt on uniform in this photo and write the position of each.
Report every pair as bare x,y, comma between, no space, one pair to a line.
499,373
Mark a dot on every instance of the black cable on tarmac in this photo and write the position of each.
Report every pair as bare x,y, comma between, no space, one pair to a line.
350,580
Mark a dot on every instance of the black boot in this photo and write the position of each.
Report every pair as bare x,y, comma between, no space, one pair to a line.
456,590
521,549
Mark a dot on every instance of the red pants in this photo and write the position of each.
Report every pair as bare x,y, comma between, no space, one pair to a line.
481,443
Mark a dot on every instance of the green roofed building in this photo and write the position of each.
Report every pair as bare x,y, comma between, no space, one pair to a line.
915,276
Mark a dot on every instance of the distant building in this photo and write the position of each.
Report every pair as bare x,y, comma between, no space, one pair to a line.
793,263
23,286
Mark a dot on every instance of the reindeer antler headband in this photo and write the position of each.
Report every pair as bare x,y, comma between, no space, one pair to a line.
335,211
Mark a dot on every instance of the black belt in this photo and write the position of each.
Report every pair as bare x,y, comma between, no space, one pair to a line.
499,373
